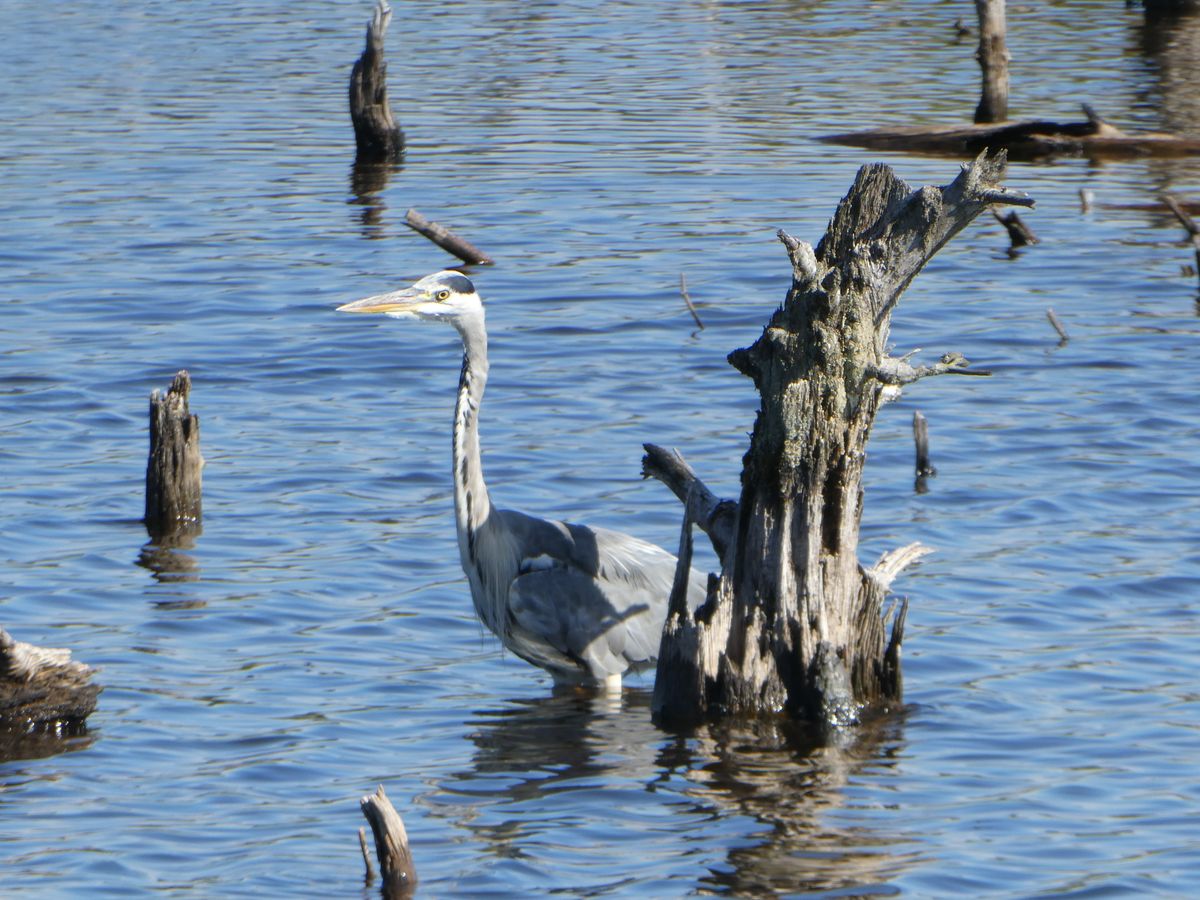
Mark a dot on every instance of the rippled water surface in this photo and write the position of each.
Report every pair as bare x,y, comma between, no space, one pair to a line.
178,192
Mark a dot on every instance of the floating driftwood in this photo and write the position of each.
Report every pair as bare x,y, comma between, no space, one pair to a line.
446,239
795,623
42,690
1023,140
376,132
391,846
173,482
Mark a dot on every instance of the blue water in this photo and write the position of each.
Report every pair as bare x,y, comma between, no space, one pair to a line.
177,192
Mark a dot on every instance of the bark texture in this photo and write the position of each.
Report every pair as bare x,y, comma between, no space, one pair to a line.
42,689
795,623
376,132
173,481
993,61
391,845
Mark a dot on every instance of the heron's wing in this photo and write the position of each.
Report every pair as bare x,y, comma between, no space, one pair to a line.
592,597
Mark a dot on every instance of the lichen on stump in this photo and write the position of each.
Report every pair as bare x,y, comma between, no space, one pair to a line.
795,624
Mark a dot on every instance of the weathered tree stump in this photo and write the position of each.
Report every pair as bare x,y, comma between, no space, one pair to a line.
173,482
391,845
376,132
795,624
42,689
993,61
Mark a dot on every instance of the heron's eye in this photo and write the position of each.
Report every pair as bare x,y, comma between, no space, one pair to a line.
442,295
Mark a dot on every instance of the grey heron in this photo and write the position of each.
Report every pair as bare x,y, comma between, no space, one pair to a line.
586,604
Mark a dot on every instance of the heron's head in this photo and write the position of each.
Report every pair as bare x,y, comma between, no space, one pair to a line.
441,297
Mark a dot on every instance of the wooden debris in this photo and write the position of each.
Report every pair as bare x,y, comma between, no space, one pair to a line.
446,239
391,844
1058,326
366,855
173,482
1019,234
42,689
1036,139
1188,223
376,133
688,300
921,439
993,62
715,517
794,623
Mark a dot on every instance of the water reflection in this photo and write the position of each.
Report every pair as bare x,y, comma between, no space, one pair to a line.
163,555
538,762
368,180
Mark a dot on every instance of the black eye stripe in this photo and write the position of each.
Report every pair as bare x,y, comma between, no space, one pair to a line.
460,284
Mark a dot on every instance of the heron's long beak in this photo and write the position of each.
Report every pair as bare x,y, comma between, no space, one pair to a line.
397,301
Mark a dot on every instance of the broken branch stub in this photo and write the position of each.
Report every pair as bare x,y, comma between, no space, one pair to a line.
795,623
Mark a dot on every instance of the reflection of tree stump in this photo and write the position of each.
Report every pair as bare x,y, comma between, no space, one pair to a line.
41,689
795,623
376,132
174,464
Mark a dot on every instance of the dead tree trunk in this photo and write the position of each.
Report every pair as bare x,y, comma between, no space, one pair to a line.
376,133
993,61
795,623
173,468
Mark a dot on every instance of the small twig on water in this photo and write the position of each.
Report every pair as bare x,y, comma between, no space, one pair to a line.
1058,326
688,300
366,855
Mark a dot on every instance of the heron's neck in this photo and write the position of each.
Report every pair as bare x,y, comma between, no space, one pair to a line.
472,505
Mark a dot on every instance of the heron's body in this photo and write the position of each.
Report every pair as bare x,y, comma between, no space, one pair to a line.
586,604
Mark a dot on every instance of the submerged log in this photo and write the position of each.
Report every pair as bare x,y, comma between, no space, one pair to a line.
173,482
376,133
42,689
993,61
794,622
1035,139
446,239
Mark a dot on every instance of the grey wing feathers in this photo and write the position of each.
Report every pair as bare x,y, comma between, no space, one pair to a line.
591,601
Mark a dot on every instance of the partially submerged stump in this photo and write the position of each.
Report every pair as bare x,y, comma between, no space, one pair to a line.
1028,140
795,623
173,482
391,845
376,132
42,690
993,61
